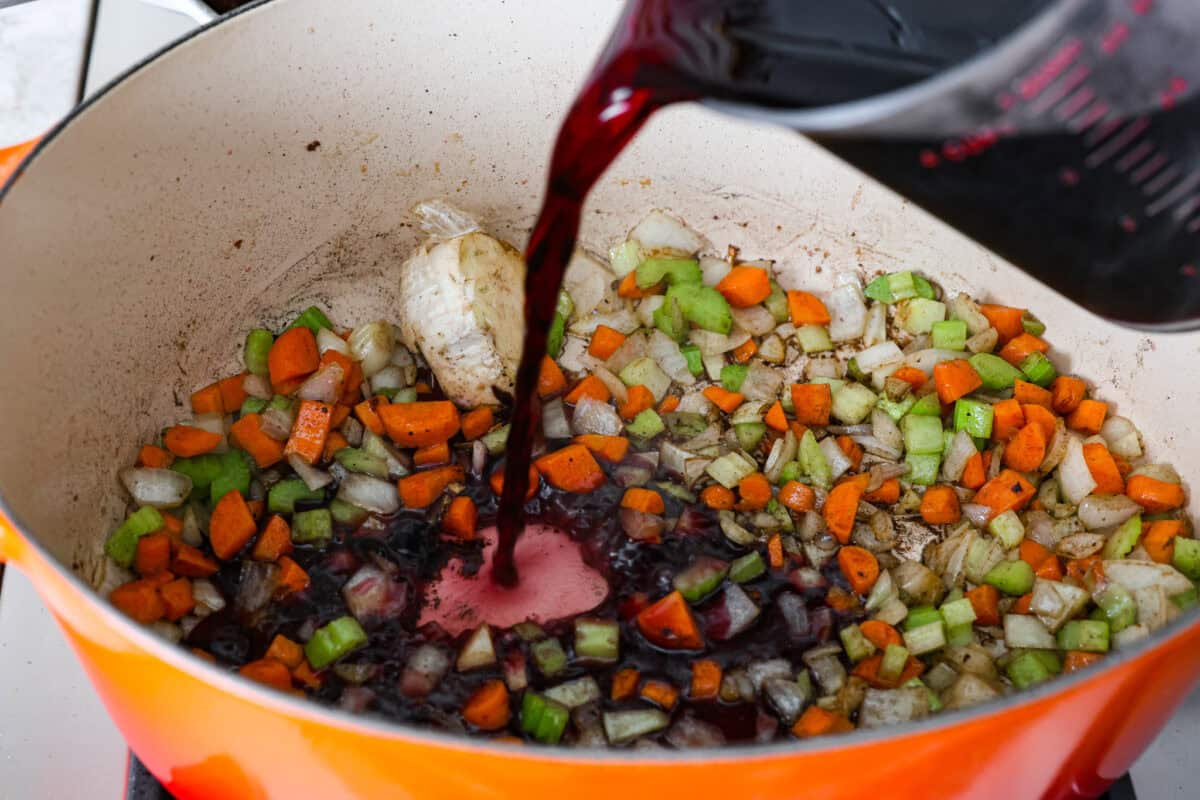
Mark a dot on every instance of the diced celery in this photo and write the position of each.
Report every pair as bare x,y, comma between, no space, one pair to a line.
548,656
926,406
397,394
234,475
814,338
625,257
645,371
777,303
281,403
312,318
704,307
1087,635
597,640
496,440
1187,557
730,469
121,545
357,460
924,288
949,334
895,658
917,315
922,435
668,318
675,271
646,425
695,362
920,616
880,289
834,384
701,578
202,469
747,568
254,353
529,631
973,417
994,371
960,635
855,372
732,376
789,472
856,645
749,434
625,726
555,336
1038,369
684,424
897,286
897,409
252,405
1032,325
813,461
1122,541
283,496
958,612
543,719
926,638
853,403
1185,600
1027,669
923,469
1117,606
1014,578
1007,528
344,513
312,527
334,640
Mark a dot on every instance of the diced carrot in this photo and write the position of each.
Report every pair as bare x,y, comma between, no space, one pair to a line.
1103,468
880,634
303,674
154,457
955,379
422,388
813,403
745,286
647,501
1033,553
776,420
912,376
551,380
293,356
868,670
754,492
841,504
185,440
268,671
139,600
461,518
247,433
177,599
477,422
744,351
422,489
775,550
256,508
1007,419
860,567
1066,393
1154,495
661,693
605,342
939,506
1088,416
1006,321
638,399
497,482
351,382
334,442
974,475
421,423
816,721
717,497
204,654
191,562
1020,346
1159,539
1042,417
706,680
153,554
488,707
1027,393
669,624
1050,569
368,414
797,428
432,454
807,309
841,601
985,600
668,404
274,541
629,289
231,525
610,448
624,683
232,393
852,449
173,527
592,387
724,399
1007,491
311,428
292,577
572,469
1027,449
1023,603
797,496
1077,659
285,651
340,413
1085,570
887,494
207,400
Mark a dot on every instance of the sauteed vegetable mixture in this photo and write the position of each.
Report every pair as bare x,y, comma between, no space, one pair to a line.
814,511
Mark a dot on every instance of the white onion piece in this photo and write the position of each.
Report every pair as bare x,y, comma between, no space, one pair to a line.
772,349
444,221
258,386
313,478
877,448
623,319
633,348
1122,437
715,343
207,595
554,420
925,360
662,231
839,462
695,403
1102,511
1159,472
664,350
1075,480
158,488
372,344
324,385
875,330
277,423
713,269
824,368
955,460
1057,449
885,429
847,314
755,320
977,514
594,416
672,458
875,357
390,377
782,452
328,340
713,364
616,386
370,493
762,383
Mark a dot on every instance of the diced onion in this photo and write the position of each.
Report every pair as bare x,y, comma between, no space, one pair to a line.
615,385
633,348
258,386
390,377
1103,511
662,231
277,423
313,478
977,514
715,343
370,493
926,360
885,429
755,320
1122,437
324,385
372,345
1159,472
158,488
328,340
713,270
554,420
646,308
876,326
594,416
847,312
839,462
1075,479
955,460
664,350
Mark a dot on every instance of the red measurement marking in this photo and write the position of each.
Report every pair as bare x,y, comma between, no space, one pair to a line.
1127,223
1005,101
1114,37
1073,104
1188,270
1068,176
1134,156
1149,168
1141,6
954,151
1062,88
1175,88
929,159
1094,114
1101,133
1050,69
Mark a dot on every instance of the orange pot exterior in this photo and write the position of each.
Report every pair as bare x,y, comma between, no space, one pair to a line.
207,734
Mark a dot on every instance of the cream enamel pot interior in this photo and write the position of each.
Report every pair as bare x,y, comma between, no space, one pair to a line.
190,201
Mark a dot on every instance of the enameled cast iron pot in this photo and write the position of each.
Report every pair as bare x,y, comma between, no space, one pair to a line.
190,202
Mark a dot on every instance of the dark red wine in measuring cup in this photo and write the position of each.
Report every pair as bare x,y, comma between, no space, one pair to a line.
1060,133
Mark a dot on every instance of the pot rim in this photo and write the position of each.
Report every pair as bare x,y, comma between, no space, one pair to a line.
229,682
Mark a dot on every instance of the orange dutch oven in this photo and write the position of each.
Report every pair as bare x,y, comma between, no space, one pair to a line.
271,159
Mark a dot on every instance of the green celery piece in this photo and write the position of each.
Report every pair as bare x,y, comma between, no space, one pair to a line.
252,405
1027,669
856,645
813,461
814,338
777,303
852,403
312,318
283,496
960,635
926,406
700,578
121,545
543,719
854,371
685,424
1122,541
1038,369
1014,578
749,434
1050,660
732,376
880,290
202,469
312,527
548,656
280,403
1187,557
922,435
255,352
334,640
1117,606
926,638
408,394
496,440
923,468
917,315
1090,636
1032,325
344,513
234,474
704,307
747,567
597,639
895,658
695,359
950,334
924,288
676,271
896,410
668,318
356,460
556,335
920,616
1007,528
1185,600
646,425
958,612
973,417
789,472
994,371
